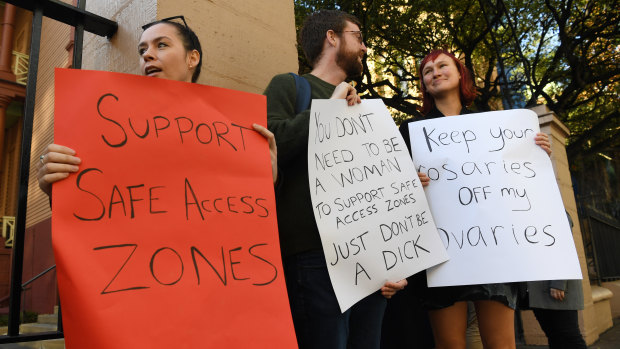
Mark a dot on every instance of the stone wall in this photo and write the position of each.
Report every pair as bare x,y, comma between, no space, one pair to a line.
591,321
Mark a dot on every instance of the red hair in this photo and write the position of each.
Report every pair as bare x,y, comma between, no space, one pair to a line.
467,88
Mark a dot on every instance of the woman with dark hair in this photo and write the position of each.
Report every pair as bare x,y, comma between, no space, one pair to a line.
168,50
448,88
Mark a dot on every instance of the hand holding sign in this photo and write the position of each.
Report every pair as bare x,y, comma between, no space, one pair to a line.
494,197
368,202
171,216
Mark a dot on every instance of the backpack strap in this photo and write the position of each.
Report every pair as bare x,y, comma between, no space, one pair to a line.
304,97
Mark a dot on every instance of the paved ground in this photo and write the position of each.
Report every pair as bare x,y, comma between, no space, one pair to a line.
608,340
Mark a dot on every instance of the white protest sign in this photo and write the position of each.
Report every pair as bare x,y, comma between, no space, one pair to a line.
372,215
495,200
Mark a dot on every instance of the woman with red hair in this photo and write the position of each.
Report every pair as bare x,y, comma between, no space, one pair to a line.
447,89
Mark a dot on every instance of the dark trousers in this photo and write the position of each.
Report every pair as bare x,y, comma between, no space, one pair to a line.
561,328
406,323
316,315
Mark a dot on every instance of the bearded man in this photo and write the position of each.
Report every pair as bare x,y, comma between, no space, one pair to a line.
333,44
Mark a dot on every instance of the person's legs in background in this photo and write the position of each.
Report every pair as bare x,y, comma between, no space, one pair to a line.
473,332
561,328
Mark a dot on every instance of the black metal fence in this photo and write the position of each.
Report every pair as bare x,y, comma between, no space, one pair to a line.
602,245
77,17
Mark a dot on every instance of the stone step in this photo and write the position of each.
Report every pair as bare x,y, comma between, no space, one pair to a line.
38,327
46,323
51,319
34,328
51,344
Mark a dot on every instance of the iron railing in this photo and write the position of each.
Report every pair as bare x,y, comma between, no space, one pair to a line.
81,20
603,245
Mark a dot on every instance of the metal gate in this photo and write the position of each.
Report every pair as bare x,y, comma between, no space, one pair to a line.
77,17
601,244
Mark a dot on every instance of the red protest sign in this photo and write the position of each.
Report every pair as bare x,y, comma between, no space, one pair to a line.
167,235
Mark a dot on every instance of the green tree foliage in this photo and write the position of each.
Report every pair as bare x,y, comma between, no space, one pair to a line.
564,53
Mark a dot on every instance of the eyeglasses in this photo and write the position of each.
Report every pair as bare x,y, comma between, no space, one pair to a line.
358,34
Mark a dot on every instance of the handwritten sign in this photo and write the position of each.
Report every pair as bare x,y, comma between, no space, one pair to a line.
494,197
167,236
374,221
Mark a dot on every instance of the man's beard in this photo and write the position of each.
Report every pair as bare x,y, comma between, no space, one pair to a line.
348,61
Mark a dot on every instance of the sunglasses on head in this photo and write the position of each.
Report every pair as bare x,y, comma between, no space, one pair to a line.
167,19
172,20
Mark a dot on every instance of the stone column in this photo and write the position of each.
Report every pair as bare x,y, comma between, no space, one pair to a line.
558,133
244,43
4,103
5,68
8,26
